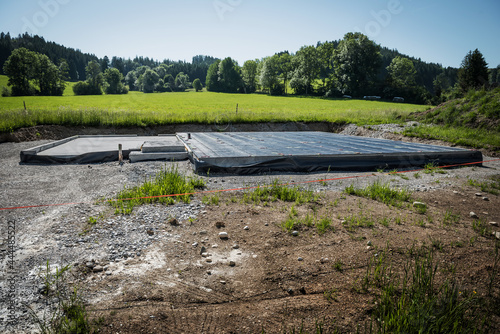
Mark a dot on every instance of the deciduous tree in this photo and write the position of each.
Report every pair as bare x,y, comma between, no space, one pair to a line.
197,84
357,61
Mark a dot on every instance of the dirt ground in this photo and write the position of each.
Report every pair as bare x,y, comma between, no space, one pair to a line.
261,278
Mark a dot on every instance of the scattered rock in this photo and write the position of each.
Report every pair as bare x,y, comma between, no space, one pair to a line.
290,291
173,222
324,260
205,254
209,260
493,223
150,231
223,235
232,263
455,192
300,259
236,246
215,246
246,228
90,264
97,269
195,244
203,232
473,215
479,194
302,290
223,282
369,243
419,205
295,233
496,234
266,224
486,199
203,250
220,224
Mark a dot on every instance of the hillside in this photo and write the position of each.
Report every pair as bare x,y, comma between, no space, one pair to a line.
472,121
477,110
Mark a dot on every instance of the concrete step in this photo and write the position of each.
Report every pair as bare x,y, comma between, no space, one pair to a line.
168,156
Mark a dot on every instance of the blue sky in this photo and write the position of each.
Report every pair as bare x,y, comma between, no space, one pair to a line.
439,31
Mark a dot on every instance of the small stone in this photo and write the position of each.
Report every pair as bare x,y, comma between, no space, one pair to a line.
203,232
369,243
473,215
290,291
368,248
98,269
173,222
246,228
302,290
90,264
232,263
497,235
300,259
324,260
236,246
195,244
479,194
266,224
493,223
455,192
203,250
209,260
486,199
223,235
295,233
222,282
419,205
215,246
205,254
220,224
150,231
109,273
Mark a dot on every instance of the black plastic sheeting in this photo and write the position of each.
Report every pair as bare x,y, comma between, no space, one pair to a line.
262,152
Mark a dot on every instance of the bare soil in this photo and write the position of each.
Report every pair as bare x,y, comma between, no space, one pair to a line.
260,279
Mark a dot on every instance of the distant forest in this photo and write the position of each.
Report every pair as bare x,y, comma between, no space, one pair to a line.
78,61
313,70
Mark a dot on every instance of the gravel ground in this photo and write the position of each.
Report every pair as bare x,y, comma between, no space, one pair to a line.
54,233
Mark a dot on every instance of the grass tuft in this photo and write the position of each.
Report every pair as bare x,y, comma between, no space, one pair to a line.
166,182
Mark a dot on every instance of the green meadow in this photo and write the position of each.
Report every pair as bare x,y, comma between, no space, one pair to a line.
140,109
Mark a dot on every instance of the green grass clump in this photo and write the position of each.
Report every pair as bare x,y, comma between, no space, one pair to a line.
277,191
491,187
166,182
323,225
381,193
353,222
419,303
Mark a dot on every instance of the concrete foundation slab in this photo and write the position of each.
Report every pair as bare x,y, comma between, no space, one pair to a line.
254,152
94,149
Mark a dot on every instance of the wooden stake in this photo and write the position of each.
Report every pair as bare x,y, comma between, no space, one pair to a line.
120,153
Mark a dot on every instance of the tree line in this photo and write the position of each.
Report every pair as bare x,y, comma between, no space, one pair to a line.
352,67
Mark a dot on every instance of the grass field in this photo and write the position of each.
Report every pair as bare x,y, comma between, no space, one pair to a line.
139,109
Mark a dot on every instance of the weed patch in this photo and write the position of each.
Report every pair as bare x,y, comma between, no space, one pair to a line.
381,193
160,189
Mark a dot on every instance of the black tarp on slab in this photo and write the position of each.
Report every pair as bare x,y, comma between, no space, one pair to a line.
257,152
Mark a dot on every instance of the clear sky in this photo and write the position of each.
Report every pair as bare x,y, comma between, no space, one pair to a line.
439,31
